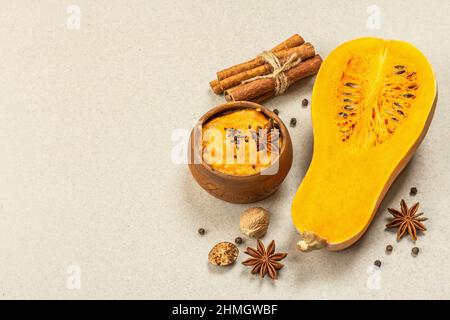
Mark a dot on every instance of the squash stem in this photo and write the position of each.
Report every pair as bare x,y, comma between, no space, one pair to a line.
310,241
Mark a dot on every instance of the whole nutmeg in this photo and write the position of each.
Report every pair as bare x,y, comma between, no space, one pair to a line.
254,222
223,254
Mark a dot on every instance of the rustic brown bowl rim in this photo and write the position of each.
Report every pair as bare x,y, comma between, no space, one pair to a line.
236,105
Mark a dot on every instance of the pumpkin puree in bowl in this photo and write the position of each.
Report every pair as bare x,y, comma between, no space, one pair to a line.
240,143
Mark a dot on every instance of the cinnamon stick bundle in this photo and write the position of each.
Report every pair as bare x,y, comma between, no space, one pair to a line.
243,82
292,42
303,52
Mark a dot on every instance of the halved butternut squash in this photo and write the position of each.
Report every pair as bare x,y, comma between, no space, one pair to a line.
372,103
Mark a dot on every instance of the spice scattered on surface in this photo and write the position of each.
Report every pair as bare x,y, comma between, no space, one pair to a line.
389,248
254,222
305,102
407,220
293,122
223,254
415,251
264,261
276,111
238,240
377,263
201,231
413,191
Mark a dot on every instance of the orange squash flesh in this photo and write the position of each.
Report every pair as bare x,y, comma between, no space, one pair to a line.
372,103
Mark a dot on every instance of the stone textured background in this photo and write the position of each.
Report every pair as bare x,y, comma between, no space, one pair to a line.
86,171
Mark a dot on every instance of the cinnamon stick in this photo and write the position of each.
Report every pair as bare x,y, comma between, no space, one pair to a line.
292,42
215,86
265,88
304,52
263,97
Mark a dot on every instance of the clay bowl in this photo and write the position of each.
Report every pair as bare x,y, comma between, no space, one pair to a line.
239,189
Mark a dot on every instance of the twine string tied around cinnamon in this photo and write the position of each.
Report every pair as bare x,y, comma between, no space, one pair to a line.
281,81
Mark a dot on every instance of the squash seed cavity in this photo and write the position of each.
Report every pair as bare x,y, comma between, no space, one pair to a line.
375,121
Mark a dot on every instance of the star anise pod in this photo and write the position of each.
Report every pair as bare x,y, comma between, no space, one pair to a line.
264,261
266,139
407,220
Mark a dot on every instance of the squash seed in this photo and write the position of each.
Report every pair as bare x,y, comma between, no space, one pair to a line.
400,72
399,67
401,112
352,85
394,118
343,114
398,104
409,95
349,107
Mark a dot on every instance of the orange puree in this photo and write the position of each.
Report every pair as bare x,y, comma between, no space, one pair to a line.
230,142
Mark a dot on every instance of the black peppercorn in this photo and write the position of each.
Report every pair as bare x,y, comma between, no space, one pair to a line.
305,102
201,231
415,251
389,248
276,111
413,191
377,263
293,122
238,240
